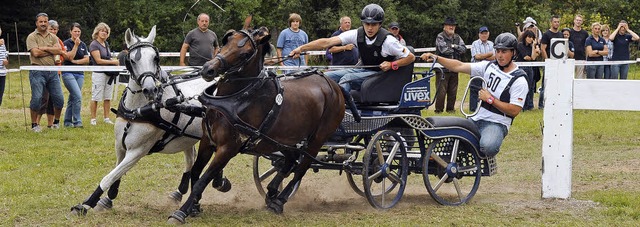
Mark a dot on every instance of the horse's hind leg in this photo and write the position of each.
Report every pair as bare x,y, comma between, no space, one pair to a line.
215,168
183,187
271,199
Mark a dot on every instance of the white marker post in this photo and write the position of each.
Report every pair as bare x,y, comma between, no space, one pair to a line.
557,144
562,95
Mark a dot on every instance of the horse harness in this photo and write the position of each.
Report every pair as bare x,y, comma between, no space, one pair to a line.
228,106
150,113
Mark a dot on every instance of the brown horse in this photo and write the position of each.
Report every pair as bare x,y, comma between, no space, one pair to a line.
256,113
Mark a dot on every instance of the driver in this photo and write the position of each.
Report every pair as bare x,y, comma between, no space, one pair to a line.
376,46
505,93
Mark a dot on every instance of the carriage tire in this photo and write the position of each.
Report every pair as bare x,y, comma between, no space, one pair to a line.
357,188
385,169
263,173
451,182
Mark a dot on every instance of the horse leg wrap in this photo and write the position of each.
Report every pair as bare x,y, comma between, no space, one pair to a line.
196,210
179,216
80,210
276,206
104,204
113,190
222,184
93,199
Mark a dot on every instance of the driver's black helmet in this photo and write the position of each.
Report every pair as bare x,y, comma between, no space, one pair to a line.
505,41
371,14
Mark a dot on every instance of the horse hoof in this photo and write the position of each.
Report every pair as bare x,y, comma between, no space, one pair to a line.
275,206
104,204
196,210
79,210
176,197
177,218
223,185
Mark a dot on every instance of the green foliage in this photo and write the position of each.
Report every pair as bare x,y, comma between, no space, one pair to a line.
421,21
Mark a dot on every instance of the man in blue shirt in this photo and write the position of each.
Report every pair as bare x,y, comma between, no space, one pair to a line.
343,54
291,38
621,38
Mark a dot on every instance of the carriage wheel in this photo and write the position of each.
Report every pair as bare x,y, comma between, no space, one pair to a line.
385,169
358,188
263,173
452,171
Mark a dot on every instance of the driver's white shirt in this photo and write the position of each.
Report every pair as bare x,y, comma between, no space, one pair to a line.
497,80
391,45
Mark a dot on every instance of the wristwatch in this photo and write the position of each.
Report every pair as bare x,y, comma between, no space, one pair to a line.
490,100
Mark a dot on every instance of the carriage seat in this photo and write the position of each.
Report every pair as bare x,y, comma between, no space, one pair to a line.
454,122
383,88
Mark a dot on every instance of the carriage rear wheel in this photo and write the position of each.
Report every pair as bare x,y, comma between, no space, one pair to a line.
385,169
451,171
264,169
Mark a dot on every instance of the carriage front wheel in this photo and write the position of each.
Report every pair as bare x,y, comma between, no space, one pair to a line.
385,169
264,169
451,171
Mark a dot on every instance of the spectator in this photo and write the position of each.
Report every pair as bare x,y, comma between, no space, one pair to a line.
449,45
42,46
553,32
101,83
481,50
47,104
271,57
4,60
528,50
347,54
394,27
606,31
503,101
566,33
578,36
201,42
376,45
529,24
596,48
78,54
291,38
621,38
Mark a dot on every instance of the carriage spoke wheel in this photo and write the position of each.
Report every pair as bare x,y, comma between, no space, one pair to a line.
385,169
452,171
356,185
264,171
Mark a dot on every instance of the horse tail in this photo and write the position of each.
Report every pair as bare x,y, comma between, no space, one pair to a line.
352,104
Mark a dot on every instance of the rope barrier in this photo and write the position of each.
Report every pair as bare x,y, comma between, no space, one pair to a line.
177,68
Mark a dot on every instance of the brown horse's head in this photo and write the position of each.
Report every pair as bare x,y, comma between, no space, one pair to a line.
241,54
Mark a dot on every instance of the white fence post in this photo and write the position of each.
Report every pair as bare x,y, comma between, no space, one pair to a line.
557,145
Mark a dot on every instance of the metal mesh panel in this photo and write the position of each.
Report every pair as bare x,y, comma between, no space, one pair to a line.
464,158
367,124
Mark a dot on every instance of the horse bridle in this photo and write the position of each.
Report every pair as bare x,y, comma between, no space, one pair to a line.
139,78
239,66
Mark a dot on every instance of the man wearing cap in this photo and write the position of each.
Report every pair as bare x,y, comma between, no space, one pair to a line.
504,96
449,45
481,50
394,27
43,46
376,45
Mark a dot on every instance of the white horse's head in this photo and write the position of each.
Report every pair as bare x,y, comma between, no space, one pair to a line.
143,62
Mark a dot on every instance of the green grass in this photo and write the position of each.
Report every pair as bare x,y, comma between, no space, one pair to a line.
44,174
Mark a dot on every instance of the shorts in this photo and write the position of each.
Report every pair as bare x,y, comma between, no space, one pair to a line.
100,89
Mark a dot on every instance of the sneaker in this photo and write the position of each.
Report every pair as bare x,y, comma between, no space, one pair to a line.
78,126
94,122
108,121
68,125
55,126
36,128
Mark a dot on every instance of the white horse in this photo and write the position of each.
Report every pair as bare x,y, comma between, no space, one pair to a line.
143,127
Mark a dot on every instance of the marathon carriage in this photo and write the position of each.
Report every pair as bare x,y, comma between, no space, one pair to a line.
393,140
